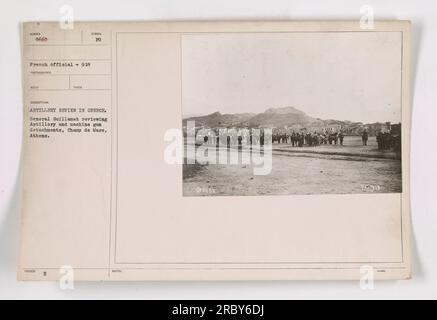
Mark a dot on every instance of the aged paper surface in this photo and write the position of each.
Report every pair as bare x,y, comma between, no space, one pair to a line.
216,151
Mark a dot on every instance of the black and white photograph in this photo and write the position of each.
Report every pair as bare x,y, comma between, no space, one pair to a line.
292,113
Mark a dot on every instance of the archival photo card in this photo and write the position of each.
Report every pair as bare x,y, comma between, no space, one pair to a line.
244,150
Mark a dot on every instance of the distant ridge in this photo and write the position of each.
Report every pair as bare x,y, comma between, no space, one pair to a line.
280,118
284,110
272,117
217,119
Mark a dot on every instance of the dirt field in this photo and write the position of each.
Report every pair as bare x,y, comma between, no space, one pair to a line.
335,171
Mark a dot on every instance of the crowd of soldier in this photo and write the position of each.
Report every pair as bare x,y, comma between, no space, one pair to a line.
298,139
385,140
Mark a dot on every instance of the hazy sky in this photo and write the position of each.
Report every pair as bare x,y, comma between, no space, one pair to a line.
344,76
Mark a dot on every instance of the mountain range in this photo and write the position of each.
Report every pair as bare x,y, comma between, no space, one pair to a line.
273,117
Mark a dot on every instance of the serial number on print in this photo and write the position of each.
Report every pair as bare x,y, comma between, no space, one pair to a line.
371,187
